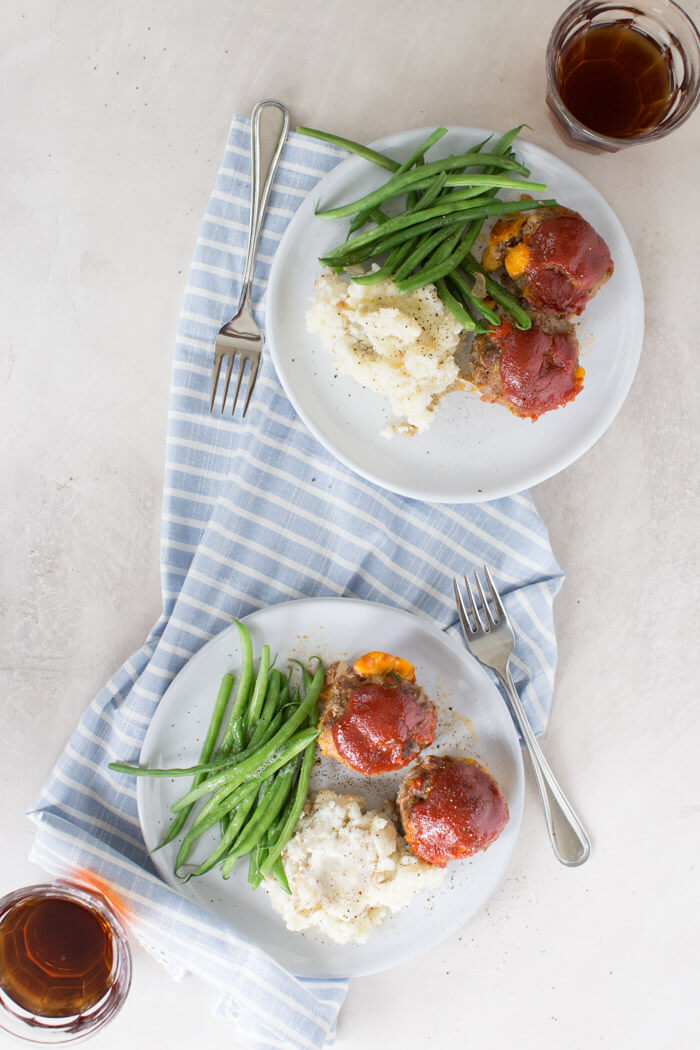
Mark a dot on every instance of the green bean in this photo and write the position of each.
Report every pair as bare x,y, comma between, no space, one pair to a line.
417,157
281,875
451,243
269,709
444,260
468,194
294,700
267,814
296,803
431,194
397,184
423,249
442,242
217,766
413,196
394,239
378,216
506,140
261,821
500,295
488,181
259,854
258,697
267,732
457,310
222,784
204,765
254,876
461,211
284,692
222,699
220,706
474,301
352,147
221,802
229,796
445,243
233,738
276,681
264,731
268,758
175,771
305,676
244,795
375,214
233,828
394,259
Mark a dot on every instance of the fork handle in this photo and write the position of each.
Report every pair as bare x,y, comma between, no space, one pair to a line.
553,799
259,189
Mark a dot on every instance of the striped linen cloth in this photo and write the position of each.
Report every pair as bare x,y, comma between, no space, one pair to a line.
255,513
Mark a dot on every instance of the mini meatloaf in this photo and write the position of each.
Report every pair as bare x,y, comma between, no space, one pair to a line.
450,808
554,257
374,723
529,372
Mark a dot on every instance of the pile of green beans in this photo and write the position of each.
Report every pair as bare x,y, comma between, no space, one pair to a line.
443,205
255,773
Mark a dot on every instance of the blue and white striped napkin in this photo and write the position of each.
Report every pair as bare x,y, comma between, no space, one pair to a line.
256,512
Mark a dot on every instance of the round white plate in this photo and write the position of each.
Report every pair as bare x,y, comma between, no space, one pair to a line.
472,720
473,451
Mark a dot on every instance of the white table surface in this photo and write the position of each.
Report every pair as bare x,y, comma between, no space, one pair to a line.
114,117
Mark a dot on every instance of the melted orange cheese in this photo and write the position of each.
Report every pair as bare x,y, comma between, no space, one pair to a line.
516,260
503,231
376,663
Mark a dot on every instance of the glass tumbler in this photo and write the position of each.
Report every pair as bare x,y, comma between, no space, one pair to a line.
662,28
65,965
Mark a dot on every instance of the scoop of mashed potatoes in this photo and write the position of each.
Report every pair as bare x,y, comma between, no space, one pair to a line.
400,344
347,869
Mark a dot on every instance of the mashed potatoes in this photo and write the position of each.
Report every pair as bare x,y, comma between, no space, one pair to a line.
401,345
347,869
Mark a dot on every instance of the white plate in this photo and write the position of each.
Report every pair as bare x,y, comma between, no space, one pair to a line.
473,451
472,720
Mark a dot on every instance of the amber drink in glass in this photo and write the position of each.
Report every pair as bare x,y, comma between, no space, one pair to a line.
619,75
65,967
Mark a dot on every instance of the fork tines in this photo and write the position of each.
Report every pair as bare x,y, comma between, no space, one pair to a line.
489,619
216,373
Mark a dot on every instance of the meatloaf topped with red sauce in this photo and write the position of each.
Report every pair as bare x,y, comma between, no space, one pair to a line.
374,723
555,258
450,808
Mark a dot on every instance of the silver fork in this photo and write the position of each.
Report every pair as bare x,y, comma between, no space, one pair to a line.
240,337
490,640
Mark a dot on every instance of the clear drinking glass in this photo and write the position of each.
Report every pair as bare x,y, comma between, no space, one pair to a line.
667,29
65,965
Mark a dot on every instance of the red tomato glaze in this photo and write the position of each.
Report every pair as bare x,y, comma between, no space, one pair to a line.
383,728
538,371
568,260
464,812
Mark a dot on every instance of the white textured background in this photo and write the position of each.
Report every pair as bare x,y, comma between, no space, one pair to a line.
113,118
